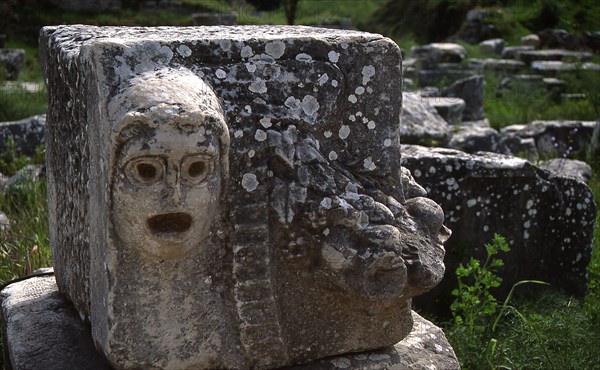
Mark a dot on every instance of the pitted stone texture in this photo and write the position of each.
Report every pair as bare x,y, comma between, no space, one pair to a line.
306,205
42,330
28,133
420,123
554,138
13,60
547,219
51,338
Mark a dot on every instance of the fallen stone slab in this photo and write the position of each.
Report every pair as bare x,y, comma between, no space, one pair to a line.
420,123
492,46
512,52
555,67
473,138
43,331
531,40
27,133
500,65
555,138
432,54
451,109
554,55
471,91
13,60
547,219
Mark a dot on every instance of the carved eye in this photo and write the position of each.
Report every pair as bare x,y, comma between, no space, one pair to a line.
145,170
197,168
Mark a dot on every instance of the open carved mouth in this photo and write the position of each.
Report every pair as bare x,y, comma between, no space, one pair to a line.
168,223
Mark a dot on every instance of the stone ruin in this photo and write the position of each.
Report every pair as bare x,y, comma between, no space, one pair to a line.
232,197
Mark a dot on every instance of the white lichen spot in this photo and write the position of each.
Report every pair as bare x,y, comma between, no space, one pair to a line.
323,79
292,103
359,90
326,203
370,91
486,228
246,52
221,74
341,363
368,72
371,125
333,56
258,86
332,156
529,204
309,105
439,348
327,134
369,164
387,142
184,51
249,182
275,48
344,132
417,172
334,83
568,211
379,357
578,257
266,122
303,57
225,44
352,98
471,202
525,235
260,135
432,170
326,232
527,224
251,67
238,134
248,109
251,153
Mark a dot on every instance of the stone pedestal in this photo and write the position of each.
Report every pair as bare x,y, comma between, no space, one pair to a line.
43,331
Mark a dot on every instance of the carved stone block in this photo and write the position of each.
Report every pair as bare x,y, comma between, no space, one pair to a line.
232,197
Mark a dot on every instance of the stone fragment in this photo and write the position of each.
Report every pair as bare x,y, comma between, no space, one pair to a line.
548,220
471,91
572,168
555,138
472,139
4,223
554,55
492,47
555,67
13,60
46,333
512,52
248,177
27,133
531,40
23,177
557,38
420,123
432,54
451,109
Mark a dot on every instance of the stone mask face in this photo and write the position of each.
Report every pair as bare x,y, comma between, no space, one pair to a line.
167,185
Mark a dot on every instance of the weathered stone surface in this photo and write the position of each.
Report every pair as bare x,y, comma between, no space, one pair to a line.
420,123
28,133
451,109
568,168
492,46
250,177
548,220
13,60
432,54
512,52
42,330
4,223
554,138
472,139
554,55
51,336
471,91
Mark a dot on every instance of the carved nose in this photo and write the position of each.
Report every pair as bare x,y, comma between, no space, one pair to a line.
173,186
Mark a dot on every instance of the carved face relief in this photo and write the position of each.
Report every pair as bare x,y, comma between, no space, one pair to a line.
167,188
